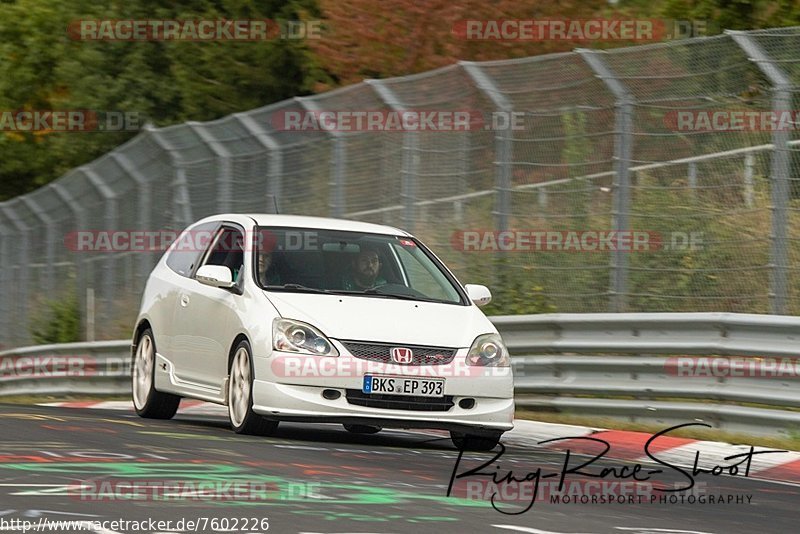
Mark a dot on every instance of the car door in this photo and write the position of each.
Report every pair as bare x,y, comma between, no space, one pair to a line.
181,260
205,316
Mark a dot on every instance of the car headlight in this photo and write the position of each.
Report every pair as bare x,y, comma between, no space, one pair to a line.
293,336
488,350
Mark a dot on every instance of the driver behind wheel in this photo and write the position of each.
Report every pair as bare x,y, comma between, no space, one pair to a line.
364,271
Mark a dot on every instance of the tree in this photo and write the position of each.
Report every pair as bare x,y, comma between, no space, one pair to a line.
42,68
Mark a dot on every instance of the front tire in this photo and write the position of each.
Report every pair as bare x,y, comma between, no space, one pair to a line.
240,396
475,443
147,401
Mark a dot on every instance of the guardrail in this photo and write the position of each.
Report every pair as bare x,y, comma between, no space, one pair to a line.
640,367
631,366
95,368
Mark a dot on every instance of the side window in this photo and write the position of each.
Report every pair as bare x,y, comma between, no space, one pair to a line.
228,251
189,247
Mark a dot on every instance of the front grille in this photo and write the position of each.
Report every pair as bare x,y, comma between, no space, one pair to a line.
381,352
399,402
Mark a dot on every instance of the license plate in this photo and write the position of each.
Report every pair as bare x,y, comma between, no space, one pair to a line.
396,385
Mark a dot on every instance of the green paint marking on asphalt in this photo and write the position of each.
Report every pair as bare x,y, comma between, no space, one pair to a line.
430,518
284,493
345,516
186,471
355,494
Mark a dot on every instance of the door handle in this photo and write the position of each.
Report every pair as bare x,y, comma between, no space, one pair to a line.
184,300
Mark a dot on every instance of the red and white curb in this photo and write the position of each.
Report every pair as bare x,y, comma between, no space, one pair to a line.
624,445
628,445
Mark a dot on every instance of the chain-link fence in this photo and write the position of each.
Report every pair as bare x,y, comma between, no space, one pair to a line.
609,141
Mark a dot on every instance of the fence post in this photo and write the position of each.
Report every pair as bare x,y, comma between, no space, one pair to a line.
110,222
337,204
781,101
336,197
22,281
748,179
181,201
275,173
90,314
541,198
503,140
223,155
5,283
49,237
623,149
692,178
409,172
145,206
80,222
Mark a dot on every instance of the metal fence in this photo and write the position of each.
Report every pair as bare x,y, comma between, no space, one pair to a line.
597,151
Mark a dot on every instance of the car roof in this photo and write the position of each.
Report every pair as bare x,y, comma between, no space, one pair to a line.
304,221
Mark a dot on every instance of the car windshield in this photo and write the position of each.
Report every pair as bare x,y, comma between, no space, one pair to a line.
310,260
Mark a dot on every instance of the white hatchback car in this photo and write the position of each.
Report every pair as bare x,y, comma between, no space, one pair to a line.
291,318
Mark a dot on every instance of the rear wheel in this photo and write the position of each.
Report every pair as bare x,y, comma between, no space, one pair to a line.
146,400
362,429
472,442
240,396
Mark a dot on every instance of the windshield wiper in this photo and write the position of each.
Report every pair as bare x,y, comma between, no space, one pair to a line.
370,292
376,293
298,287
395,295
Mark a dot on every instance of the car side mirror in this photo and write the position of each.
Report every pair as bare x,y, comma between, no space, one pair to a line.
215,276
480,295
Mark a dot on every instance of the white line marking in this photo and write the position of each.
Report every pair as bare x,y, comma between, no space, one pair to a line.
532,530
645,530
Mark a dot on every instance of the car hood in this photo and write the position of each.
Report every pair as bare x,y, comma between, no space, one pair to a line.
385,319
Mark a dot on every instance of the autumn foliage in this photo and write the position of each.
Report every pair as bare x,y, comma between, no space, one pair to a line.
364,39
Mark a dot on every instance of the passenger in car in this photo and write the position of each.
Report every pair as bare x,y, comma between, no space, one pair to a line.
267,273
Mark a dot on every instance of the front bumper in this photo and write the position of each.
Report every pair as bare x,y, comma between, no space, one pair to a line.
294,393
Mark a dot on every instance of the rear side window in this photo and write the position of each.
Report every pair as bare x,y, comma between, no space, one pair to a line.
189,247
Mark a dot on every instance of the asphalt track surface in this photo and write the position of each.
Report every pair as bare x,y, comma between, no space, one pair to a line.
63,464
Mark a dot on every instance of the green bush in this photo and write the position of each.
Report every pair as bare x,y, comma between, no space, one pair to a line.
515,289
59,322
